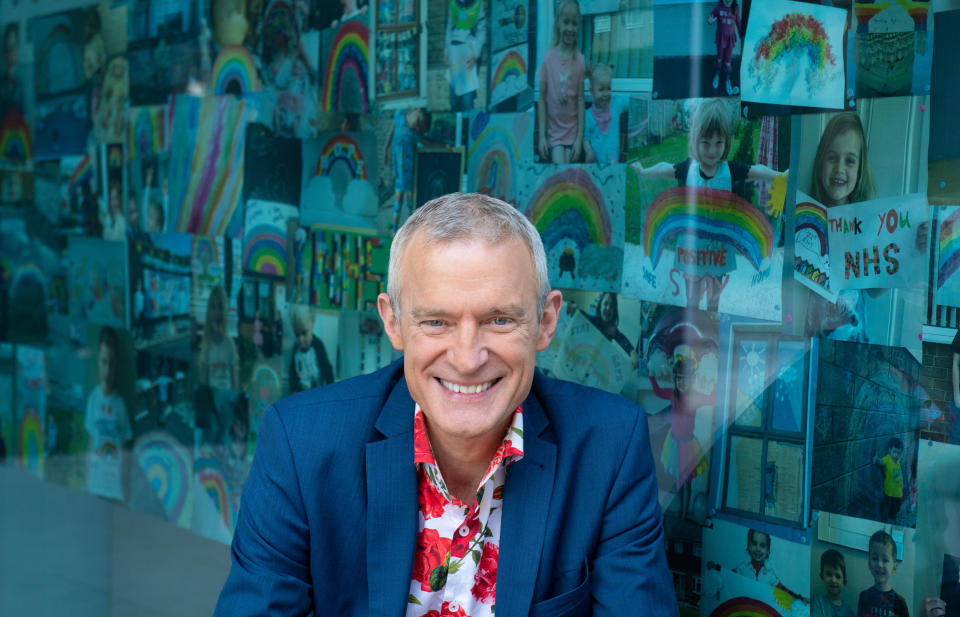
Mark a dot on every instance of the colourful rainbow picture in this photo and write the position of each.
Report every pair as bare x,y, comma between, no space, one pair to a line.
280,26
146,131
792,40
31,441
234,72
203,254
708,214
744,607
511,65
206,163
949,248
348,55
341,148
114,156
570,206
209,475
15,142
166,464
265,238
493,159
83,172
59,61
108,450
813,217
29,274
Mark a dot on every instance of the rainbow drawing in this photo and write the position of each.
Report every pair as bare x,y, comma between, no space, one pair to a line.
114,156
108,450
266,384
210,476
511,65
166,464
83,172
493,157
814,217
15,144
743,606
341,148
792,39
280,27
234,72
349,53
709,214
29,274
31,441
146,131
569,205
949,247
204,253
265,251
206,163
59,67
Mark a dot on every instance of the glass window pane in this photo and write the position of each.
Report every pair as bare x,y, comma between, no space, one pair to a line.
407,61
784,481
751,377
386,63
743,474
623,40
789,386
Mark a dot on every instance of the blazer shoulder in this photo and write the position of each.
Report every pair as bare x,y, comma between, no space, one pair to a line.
568,404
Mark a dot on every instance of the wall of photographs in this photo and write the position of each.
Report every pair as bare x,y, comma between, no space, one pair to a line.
753,209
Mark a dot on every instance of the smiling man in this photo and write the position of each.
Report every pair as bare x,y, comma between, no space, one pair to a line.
458,482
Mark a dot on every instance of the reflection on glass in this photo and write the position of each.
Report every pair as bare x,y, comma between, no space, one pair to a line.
751,377
743,474
783,478
788,387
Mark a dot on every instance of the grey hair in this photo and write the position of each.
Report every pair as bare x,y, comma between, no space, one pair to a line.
468,216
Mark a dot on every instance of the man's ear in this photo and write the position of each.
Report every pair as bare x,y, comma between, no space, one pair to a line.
391,321
549,319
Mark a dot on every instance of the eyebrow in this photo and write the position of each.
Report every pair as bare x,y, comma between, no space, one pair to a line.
510,310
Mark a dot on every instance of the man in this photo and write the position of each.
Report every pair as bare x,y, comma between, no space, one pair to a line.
459,482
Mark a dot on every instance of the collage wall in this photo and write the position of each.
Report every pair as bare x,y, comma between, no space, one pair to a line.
749,206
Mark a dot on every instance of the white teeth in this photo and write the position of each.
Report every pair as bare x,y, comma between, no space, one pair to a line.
465,389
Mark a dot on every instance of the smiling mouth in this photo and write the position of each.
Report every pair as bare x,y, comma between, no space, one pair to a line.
838,182
467,388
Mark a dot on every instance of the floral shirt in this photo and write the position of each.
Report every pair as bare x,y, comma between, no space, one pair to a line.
455,563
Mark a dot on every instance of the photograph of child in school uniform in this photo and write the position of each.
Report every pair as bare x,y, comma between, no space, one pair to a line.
865,443
701,160
750,563
861,568
708,65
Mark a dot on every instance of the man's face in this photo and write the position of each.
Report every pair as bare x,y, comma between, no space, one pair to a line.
469,331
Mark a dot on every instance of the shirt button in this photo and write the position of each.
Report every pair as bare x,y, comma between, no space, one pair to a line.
454,607
464,531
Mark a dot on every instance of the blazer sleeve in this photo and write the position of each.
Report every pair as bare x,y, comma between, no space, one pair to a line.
629,571
270,573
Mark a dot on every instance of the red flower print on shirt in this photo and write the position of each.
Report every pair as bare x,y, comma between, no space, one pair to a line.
431,502
485,585
447,609
461,542
431,553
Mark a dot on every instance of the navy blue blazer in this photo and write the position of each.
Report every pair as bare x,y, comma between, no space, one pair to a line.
329,514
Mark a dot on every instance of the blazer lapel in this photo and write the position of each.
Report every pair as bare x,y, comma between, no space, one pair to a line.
526,501
391,506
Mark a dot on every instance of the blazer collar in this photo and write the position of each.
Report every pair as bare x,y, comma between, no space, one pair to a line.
392,511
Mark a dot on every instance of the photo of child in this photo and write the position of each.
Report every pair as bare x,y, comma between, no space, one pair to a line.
756,568
464,40
309,365
726,15
409,125
881,599
560,106
217,360
841,173
892,480
602,143
107,423
833,573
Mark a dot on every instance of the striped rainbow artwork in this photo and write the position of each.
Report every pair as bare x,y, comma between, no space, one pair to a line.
166,464
949,248
29,274
234,72
30,439
349,54
743,606
15,144
59,60
813,217
204,253
83,172
146,131
280,26
206,163
568,205
511,65
341,148
796,34
708,214
493,157
210,476
265,251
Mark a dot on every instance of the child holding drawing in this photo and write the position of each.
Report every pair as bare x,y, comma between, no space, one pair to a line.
560,105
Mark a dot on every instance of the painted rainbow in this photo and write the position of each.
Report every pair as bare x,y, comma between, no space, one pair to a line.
350,53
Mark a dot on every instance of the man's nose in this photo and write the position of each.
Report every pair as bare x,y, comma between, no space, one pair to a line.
468,351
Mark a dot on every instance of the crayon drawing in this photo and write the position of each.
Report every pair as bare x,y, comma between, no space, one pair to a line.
339,179
345,68
496,143
948,257
508,76
811,257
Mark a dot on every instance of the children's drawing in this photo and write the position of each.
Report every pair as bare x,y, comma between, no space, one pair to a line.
206,163
339,175
508,19
793,54
811,258
166,463
948,257
15,143
210,481
234,72
58,53
586,356
97,272
508,73
493,158
579,213
265,237
146,131
346,68
348,270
